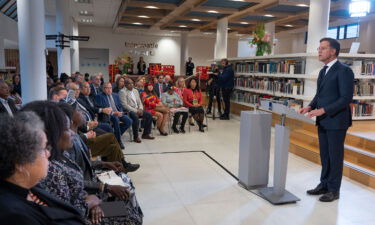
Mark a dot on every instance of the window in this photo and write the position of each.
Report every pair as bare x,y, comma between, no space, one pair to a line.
342,32
352,31
332,32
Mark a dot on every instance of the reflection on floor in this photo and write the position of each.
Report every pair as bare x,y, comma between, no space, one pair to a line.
189,188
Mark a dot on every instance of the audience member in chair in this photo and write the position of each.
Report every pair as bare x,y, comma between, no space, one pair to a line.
153,105
131,101
160,86
193,100
174,102
7,105
120,121
24,153
119,84
96,88
57,94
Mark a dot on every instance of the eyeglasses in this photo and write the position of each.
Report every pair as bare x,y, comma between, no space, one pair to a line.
46,151
322,49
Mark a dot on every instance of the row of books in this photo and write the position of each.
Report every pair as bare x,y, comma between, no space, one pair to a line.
362,108
285,66
366,68
282,85
364,88
252,98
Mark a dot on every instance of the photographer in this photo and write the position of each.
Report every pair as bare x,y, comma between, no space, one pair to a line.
213,90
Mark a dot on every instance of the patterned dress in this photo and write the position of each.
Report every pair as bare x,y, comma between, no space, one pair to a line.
150,102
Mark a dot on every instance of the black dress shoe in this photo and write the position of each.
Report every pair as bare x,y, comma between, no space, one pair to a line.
122,146
191,124
319,190
182,130
224,118
129,167
175,130
330,196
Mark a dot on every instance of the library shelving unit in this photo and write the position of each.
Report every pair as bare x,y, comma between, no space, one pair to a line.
293,77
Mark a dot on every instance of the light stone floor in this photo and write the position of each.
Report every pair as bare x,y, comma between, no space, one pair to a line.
189,188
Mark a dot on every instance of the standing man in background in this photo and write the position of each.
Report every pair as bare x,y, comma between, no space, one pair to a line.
189,67
331,106
226,83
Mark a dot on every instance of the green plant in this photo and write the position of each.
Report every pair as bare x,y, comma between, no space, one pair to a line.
262,40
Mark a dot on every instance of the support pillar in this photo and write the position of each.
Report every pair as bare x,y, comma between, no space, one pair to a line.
270,29
63,24
2,53
184,53
370,48
75,49
32,40
221,44
317,29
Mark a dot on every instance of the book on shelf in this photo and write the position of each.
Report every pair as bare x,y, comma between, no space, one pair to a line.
362,109
291,86
368,68
284,66
364,88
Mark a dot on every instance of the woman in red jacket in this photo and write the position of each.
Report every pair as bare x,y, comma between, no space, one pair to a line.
153,105
193,100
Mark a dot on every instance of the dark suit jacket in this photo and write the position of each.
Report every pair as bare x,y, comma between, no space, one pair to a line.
85,103
156,89
93,93
12,107
226,78
334,94
102,101
15,209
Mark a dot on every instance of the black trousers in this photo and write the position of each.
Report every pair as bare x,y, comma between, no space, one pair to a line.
176,117
147,122
211,94
331,144
226,98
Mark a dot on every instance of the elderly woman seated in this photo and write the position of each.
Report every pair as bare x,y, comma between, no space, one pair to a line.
175,104
24,153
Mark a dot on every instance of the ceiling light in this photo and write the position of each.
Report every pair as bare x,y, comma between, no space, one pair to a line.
151,7
212,11
207,33
237,0
244,23
143,16
228,28
288,25
137,23
85,12
302,5
359,8
195,20
268,15
182,26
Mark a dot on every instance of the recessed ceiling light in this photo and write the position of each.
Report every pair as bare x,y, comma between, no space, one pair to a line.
244,23
182,26
237,0
228,28
151,7
288,25
173,31
302,5
207,33
137,23
195,20
143,16
212,11
268,15
85,12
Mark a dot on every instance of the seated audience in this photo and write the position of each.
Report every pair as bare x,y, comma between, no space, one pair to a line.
119,84
7,105
193,100
140,84
24,153
180,86
154,106
15,97
17,84
175,103
160,86
131,102
57,94
95,86
120,121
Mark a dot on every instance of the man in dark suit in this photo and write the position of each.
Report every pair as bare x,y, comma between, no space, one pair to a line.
189,66
6,105
160,87
331,106
95,86
226,83
120,121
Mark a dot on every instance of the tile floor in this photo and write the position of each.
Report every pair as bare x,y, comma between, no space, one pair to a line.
190,189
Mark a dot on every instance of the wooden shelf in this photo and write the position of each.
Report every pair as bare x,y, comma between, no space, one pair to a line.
365,77
364,97
278,94
363,118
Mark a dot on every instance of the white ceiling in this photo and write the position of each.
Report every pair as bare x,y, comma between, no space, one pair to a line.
103,11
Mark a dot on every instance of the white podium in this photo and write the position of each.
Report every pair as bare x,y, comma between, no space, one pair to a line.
255,148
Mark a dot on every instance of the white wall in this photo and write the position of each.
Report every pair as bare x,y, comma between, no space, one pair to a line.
244,49
93,60
8,31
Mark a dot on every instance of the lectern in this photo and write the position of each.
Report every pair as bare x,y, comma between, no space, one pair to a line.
276,194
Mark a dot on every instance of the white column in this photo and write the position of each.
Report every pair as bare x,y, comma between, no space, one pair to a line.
63,24
270,29
221,44
184,53
75,48
2,53
317,29
32,40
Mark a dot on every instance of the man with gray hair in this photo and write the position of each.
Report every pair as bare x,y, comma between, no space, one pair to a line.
7,105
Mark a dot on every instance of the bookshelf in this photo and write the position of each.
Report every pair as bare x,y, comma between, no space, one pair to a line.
278,77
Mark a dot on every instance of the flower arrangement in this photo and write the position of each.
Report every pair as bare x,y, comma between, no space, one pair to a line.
261,40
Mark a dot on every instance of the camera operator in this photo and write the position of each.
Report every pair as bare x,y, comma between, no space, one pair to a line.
226,83
213,90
